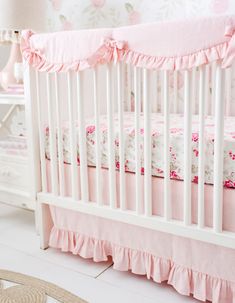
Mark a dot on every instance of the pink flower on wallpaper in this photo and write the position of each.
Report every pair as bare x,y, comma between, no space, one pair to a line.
98,3
219,6
56,4
134,17
66,25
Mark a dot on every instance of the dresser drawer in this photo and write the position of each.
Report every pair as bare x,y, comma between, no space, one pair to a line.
14,174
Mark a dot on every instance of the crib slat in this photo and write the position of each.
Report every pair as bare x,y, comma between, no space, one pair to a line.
175,85
41,135
218,150
167,192
228,90
207,89
82,140
73,139
121,138
161,75
97,138
59,140
187,149
137,139
128,87
154,90
147,146
213,83
201,168
193,90
52,138
111,145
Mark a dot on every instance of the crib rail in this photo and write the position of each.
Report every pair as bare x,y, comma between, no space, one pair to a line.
153,91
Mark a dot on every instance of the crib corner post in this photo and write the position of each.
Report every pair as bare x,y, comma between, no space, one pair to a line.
44,224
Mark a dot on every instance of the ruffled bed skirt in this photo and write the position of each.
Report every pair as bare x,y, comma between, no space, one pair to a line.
185,280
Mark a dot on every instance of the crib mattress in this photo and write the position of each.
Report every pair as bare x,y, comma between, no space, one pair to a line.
157,135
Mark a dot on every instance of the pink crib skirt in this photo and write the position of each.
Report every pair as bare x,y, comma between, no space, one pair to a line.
205,270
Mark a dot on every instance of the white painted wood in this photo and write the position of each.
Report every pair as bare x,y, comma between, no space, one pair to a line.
193,90
41,136
153,91
218,151
137,139
175,227
52,137
59,140
128,87
167,188
121,138
213,84
45,224
97,139
82,139
207,89
175,89
228,90
187,148
111,146
147,146
201,158
72,138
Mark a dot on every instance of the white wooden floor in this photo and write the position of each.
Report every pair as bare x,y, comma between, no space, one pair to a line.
95,282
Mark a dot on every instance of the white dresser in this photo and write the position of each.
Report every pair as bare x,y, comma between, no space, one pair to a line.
16,180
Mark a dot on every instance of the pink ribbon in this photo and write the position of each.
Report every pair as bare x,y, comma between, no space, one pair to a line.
29,54
115,45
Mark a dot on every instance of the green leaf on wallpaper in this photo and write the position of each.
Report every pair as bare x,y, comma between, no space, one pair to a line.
62,18
129,7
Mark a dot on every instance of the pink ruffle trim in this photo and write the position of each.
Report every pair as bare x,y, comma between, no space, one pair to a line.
186,281
113,51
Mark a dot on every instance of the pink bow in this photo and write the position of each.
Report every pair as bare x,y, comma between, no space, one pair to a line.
115,45
31,55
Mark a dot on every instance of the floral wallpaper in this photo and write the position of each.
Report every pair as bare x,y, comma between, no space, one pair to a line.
77,14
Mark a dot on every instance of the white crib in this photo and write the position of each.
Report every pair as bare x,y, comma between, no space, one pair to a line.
108,89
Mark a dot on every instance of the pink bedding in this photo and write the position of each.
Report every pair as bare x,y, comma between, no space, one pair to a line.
171,45
176,146
205,270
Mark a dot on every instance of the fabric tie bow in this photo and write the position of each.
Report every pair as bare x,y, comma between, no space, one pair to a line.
115,45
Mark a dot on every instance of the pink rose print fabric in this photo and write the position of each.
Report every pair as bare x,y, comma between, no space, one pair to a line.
176,146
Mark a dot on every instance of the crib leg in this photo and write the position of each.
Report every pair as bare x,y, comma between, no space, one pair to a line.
44,224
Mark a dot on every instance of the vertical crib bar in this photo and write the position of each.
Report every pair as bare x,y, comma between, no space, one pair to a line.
167,192
201,168
52,138
111,146
161,75
121,138
41,136
82,140
154,90
137,140
72,137
187,149
213,80
59,140
128,87
218,151
193,90
175,85
147,146
97,138
207,88
228,90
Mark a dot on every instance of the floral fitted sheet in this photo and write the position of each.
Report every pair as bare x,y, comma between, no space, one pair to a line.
157,130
